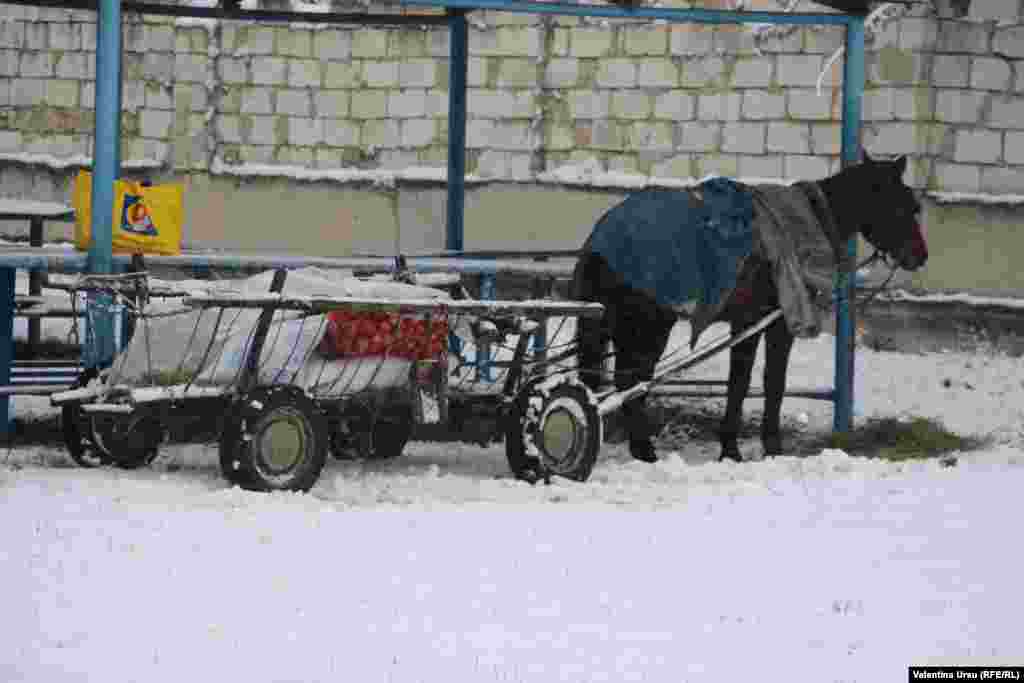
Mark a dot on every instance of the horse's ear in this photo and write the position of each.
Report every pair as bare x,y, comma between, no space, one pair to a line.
901,165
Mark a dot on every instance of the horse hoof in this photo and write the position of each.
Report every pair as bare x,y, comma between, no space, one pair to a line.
772,444
730,453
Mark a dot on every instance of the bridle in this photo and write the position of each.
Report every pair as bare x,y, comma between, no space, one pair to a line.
884,256
890,262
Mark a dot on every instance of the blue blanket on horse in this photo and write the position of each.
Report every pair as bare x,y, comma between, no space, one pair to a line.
688,248
676,246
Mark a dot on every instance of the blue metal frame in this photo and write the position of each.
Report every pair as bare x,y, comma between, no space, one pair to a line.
106,159
107,133
853,91
681,15
107,140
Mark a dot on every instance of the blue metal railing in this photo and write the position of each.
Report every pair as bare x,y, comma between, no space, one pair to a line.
108,77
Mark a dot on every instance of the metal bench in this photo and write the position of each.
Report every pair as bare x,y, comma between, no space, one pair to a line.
41,377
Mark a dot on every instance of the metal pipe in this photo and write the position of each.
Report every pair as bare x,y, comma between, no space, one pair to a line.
107,131
693,382
106,144
319,304
696,15
677,392
853,91
75,262
543,254
458,70
364,18
614,399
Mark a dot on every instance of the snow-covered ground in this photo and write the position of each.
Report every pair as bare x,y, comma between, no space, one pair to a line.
439,567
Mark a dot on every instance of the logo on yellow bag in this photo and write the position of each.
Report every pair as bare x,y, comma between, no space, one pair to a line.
135,217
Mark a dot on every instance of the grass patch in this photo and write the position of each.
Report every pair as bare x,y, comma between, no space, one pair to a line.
167,378
893,439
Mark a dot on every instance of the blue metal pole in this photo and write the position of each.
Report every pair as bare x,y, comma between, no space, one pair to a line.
458,69
853,92
120,102
105,162
695,15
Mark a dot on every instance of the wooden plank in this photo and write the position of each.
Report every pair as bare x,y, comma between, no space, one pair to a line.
324,304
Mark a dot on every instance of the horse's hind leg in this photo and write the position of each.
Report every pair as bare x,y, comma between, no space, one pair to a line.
741,366
640,337
778,344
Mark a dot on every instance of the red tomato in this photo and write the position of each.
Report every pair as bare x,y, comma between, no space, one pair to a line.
361,345
376,345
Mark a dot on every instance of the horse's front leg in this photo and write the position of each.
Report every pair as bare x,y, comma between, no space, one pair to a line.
741,365
778,344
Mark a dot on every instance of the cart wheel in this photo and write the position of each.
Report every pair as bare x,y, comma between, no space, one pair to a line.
76,427
275,441
563,428
128,443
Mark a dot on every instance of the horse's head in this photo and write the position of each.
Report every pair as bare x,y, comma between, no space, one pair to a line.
886,210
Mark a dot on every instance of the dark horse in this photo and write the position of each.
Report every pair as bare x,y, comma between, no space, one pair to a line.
869,198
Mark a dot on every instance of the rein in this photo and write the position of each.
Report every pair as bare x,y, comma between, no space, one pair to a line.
878,255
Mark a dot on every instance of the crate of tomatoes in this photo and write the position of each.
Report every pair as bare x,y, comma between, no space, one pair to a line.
395,334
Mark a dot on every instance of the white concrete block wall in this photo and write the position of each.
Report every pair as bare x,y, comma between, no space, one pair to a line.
638,97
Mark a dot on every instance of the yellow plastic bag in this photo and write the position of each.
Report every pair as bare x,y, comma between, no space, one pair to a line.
147,220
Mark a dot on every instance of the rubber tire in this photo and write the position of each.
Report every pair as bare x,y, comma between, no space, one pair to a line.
139,448
528,467
77,439
240,455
